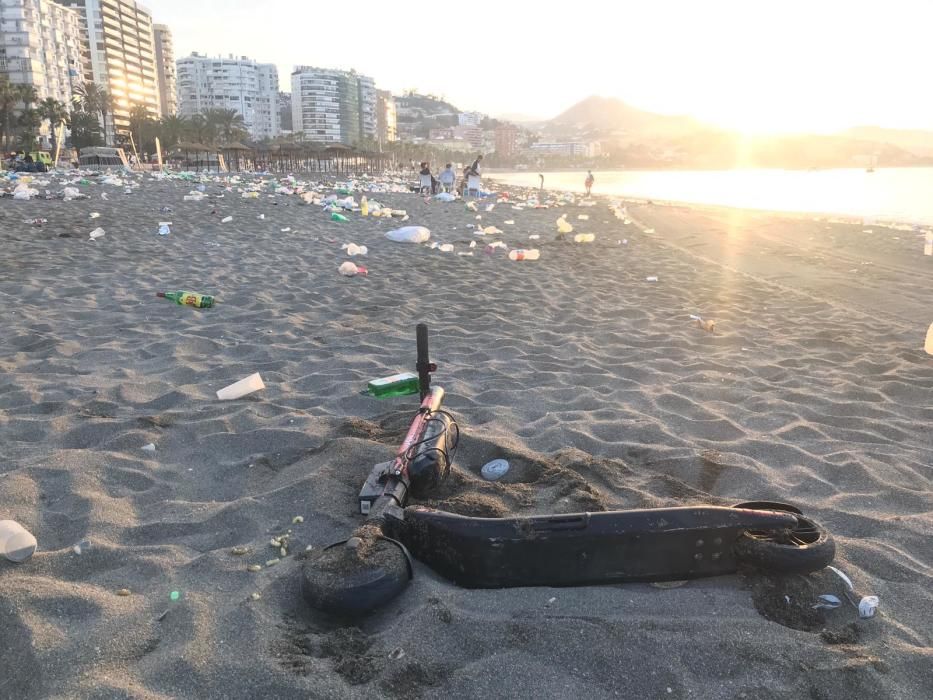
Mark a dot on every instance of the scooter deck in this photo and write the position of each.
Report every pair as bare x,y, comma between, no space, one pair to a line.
581,548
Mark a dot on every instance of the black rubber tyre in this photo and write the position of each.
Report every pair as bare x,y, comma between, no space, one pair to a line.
353,592
806,548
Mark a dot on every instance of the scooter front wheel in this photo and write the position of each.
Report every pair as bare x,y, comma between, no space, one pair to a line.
803,549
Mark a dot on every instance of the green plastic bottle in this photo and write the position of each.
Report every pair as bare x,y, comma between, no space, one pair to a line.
397,385
338,217
182,298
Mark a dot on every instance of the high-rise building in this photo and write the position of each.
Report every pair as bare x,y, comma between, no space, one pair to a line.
333,106
285,112
250,88
367,88
165,68
41,44
120,55
506,140
386,117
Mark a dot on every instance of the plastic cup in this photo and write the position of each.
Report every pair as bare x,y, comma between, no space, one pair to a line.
16,542
241,388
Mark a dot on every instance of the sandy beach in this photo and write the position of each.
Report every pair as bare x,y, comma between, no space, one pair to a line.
593,382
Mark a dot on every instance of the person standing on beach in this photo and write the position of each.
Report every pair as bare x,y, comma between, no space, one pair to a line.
541,175
589,182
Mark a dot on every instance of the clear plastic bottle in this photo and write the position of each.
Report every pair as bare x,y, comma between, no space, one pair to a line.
364,206
16,543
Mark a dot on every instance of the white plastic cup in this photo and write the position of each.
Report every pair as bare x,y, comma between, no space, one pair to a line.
16,542
241,388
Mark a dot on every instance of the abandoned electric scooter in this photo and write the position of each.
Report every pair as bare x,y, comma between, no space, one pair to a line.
370,568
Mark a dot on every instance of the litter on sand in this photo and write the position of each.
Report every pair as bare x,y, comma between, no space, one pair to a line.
241,388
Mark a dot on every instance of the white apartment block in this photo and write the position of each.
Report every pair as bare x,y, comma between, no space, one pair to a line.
41,44
469,119
165,68
332,106
120,54
368,118
250,88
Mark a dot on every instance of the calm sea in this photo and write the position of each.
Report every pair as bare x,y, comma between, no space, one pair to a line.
888,194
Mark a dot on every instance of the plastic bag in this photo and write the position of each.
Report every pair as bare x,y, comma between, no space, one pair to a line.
409,234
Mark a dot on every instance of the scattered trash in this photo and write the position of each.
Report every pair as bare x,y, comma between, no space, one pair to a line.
445,197
165,228
354,249
562,226
510,222
36,222
338,217
183,298
253,568
349,269
928,345
827,602
708,326
241,388
409,234
286,229
397,653
468,253
446,248
651,279
534,237
298,519
239,551
866,605
584,238
495,470
97,233
583,217
81,547
148,448
94,215
403,384
123,592
16,543
226,220
649,230
519,254
174,595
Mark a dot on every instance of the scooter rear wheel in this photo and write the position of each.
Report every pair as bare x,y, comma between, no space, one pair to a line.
805,548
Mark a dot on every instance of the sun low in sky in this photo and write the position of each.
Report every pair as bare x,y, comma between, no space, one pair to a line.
814,65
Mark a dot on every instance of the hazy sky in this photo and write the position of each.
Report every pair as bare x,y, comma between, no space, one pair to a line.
812,64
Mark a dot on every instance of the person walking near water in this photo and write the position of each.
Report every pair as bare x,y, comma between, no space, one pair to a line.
541,175
589,182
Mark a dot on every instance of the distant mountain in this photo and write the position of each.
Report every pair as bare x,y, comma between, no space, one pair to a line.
607,115
918,142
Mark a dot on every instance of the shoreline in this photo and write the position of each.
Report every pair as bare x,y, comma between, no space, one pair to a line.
828,215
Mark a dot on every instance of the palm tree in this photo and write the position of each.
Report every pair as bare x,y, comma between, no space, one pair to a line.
227,123
28,122
201,129
139,120
55,112
95,100
85,129
7,109
172,129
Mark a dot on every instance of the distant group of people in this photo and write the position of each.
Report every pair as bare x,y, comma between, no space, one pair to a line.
446,181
